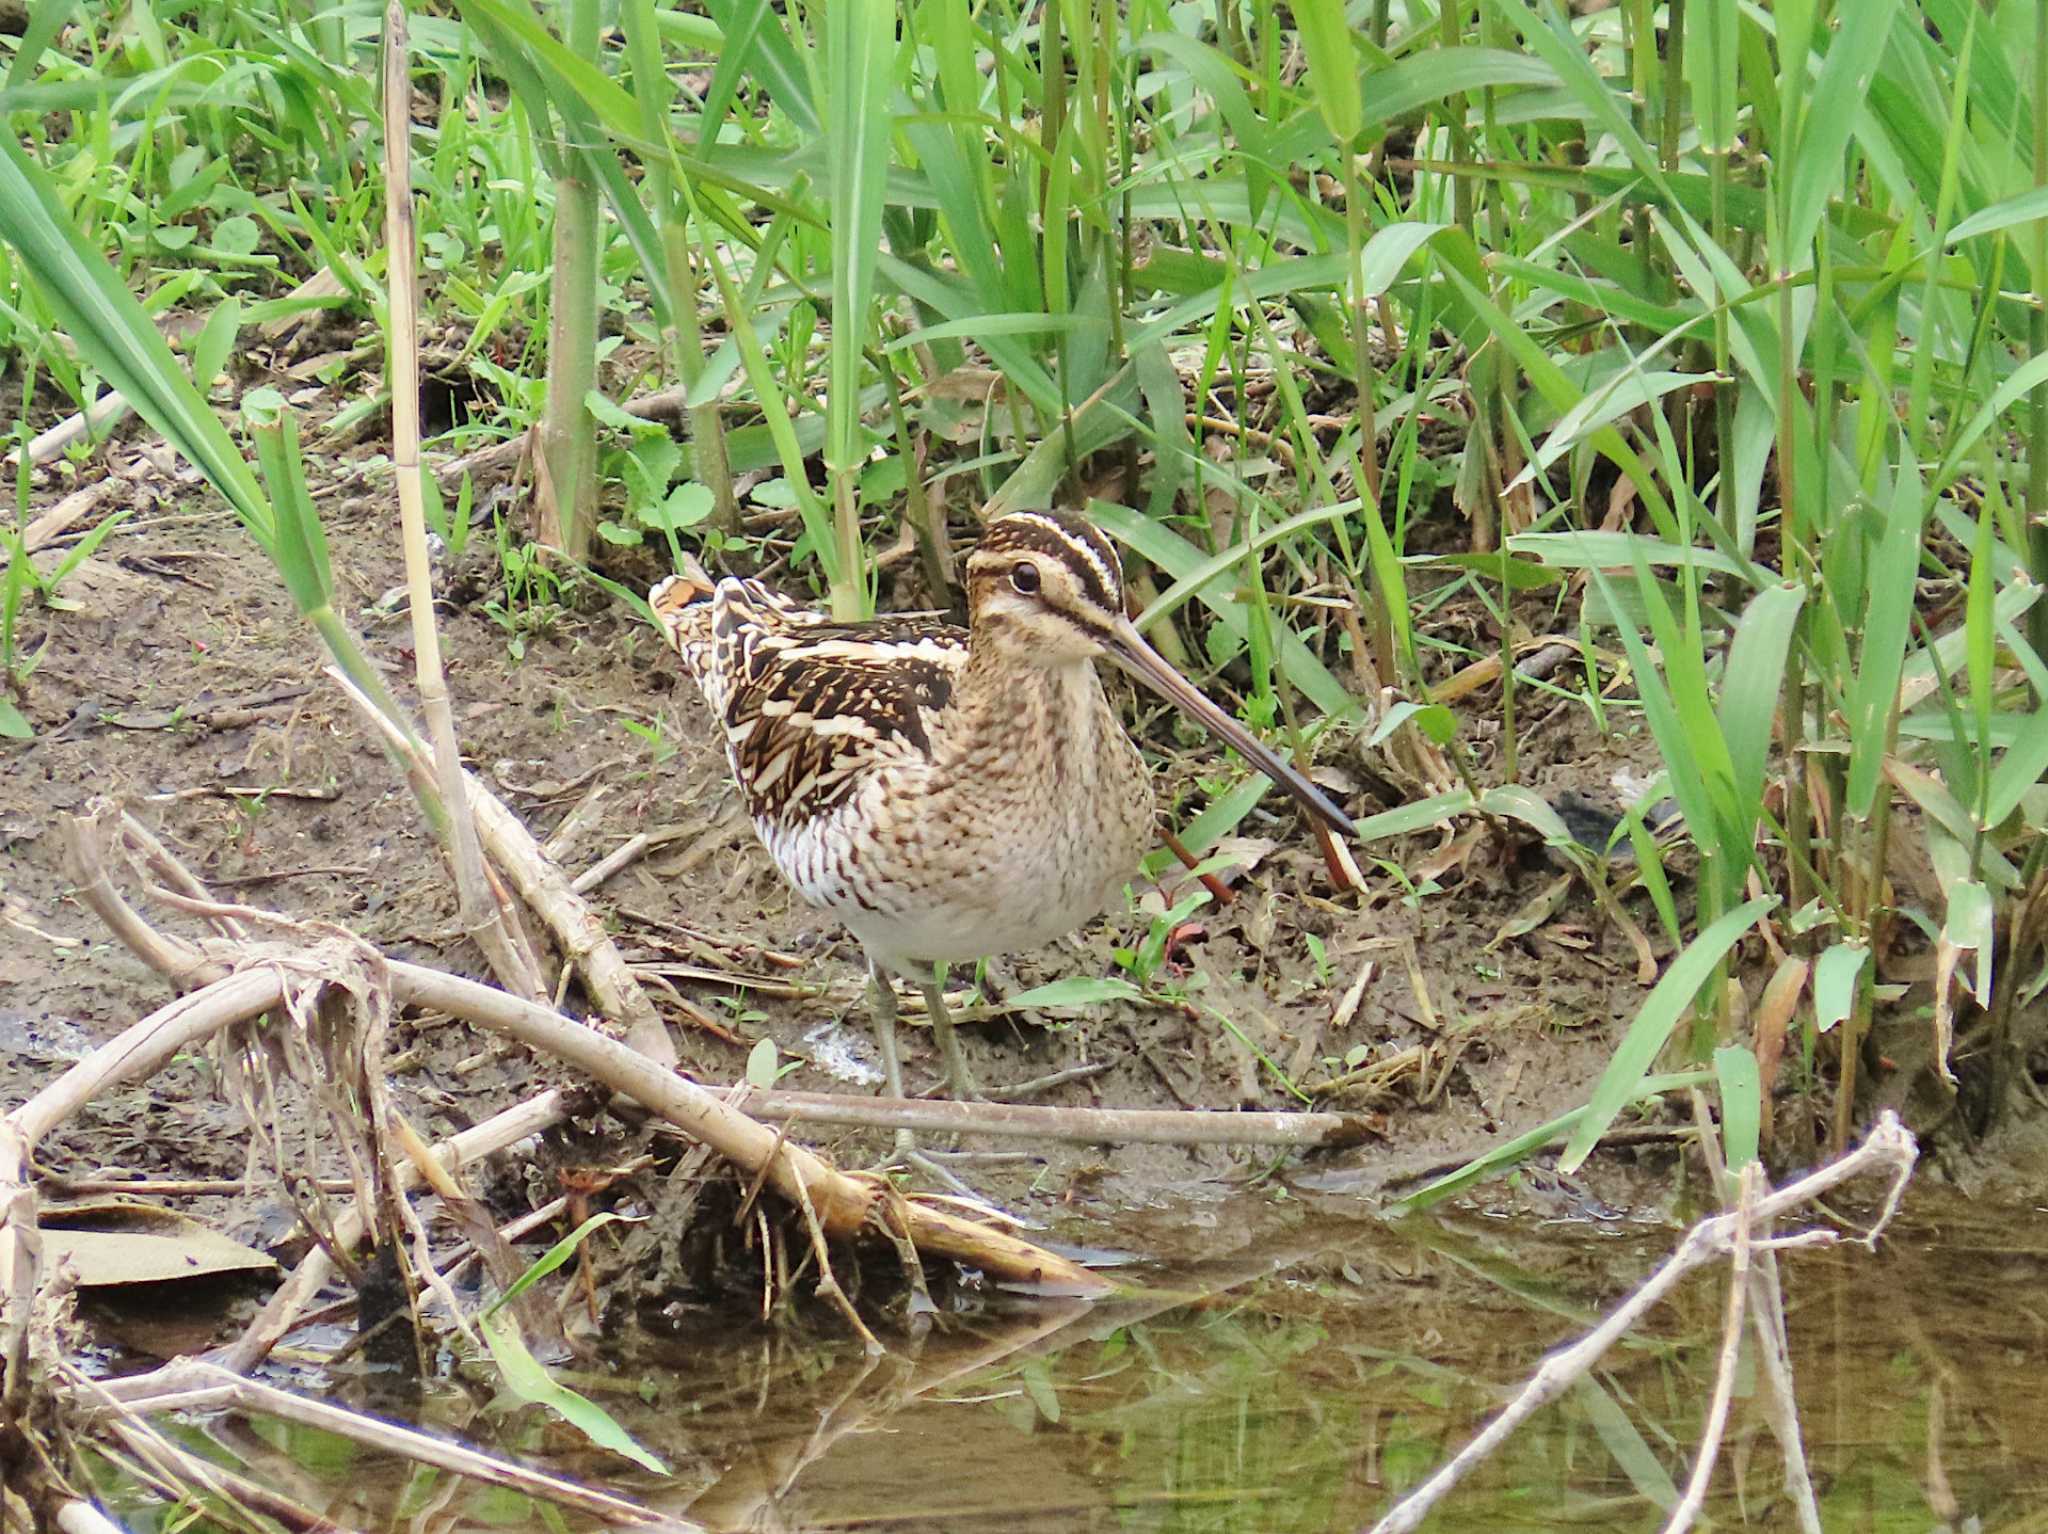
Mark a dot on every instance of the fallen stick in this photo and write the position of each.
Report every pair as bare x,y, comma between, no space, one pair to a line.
192,1385
1889,1148
134,1052
1074,1126
99,416
171,1187
484,915
140,1049
173,1473
85,1518
844,1204
627,853
61,518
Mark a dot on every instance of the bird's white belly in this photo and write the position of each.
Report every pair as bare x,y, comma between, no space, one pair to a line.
928,888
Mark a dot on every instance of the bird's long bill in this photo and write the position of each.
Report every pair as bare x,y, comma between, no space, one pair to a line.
1129,650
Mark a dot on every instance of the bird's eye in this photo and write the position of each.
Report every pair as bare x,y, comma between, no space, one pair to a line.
1024,576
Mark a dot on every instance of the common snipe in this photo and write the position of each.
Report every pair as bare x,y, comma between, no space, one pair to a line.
950,795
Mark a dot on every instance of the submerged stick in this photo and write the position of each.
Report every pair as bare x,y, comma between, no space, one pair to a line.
191,1385
1889,1148
281,1313
1687,1512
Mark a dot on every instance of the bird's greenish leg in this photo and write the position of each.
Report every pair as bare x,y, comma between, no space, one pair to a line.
882,1007
959,1079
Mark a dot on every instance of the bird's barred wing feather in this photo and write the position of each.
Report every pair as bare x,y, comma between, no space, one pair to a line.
810,707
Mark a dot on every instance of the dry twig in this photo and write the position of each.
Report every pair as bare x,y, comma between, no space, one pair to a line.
1077,1126
577,928
1889,1150
845,1205
483,914
194,1385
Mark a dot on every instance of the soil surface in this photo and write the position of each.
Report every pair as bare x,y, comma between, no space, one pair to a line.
177,681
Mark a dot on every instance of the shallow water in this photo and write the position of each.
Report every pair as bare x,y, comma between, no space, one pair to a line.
1298,1377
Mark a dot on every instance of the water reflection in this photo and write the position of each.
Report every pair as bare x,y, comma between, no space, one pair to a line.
1299,1381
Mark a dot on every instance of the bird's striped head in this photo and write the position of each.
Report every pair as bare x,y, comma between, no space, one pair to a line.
1048,585
1049,589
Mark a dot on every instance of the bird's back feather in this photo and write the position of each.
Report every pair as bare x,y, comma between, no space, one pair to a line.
809,706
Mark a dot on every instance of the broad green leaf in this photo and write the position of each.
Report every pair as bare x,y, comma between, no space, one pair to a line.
1529,807
1742,1097
1971,925
1894,563
1663,1009
2022,209
859,40
1621,395
1623,1440
1332,66
1430,75
527,1379
111,330
1526,1145
1834,983
755,45
1816,172
1418,816
1750,686
1078,991
1606,551
1433,719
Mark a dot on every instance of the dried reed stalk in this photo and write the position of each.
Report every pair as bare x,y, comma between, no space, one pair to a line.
503,943
844,1205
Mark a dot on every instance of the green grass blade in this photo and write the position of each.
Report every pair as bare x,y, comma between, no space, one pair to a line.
1526,1145
1332,66
1662,1011
111,330
860,38
1182,559
1757,658
757,46
1894,562
525,1377
1838,98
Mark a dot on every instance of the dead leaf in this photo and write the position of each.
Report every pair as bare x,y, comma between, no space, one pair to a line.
1535,912
112,1244
1773,1020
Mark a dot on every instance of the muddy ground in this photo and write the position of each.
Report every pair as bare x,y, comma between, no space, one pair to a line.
177,681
